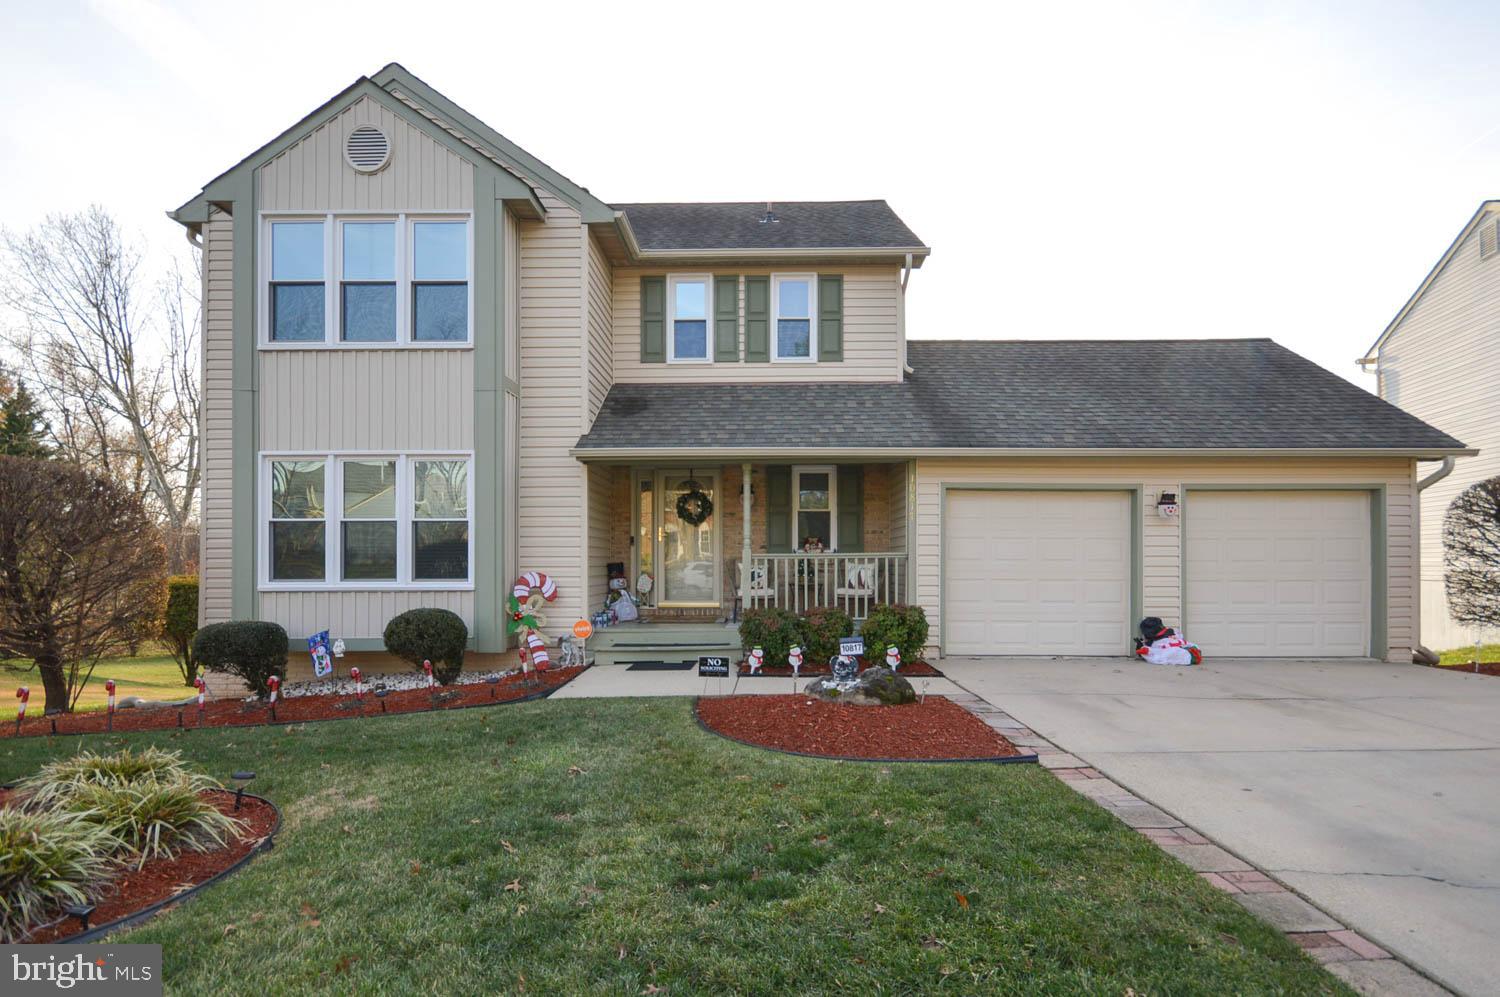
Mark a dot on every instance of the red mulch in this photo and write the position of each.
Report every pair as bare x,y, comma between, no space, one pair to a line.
919,669
160,879
298,709
926,731
1483,668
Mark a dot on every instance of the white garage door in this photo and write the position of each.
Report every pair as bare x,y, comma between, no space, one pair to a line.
1036,573
1278,574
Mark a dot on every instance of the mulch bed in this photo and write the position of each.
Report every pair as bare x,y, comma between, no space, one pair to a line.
160,879
1483,668
911,669
299,709
933,730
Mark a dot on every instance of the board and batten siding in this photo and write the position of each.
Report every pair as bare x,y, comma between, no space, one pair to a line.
1442,365
1161,560
312,175
872,331
552,496
216,542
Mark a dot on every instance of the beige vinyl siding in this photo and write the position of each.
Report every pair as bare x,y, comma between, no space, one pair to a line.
1442,364
215,551
1161,538
872,336
896,484
553,486
601,319
354,614
312,175
605,501
389,400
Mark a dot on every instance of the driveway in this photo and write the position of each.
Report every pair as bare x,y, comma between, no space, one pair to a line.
1372,789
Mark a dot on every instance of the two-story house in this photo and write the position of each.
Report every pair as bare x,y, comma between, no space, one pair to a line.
1439,359
432,362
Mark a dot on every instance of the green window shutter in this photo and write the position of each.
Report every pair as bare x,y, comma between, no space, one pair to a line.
726,319
830,317
757,319
778,508
653,320
851,508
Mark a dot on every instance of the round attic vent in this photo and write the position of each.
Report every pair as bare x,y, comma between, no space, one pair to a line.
367,149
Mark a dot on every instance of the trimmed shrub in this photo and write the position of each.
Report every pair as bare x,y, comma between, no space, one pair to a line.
154,819
252,650
180,622
435,635
774,629
62,778
48,860
904,626
821,630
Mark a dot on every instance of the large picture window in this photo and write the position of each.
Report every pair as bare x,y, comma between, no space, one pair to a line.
399,280
363,521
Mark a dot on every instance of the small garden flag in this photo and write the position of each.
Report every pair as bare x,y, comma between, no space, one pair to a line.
317,646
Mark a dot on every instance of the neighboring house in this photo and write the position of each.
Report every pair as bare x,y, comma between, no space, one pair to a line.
431,362
1439,359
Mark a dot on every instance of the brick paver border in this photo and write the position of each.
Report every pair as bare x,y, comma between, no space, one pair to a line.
1341,949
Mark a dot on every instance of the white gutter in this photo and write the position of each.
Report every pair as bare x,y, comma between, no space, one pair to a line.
1441,473
865,453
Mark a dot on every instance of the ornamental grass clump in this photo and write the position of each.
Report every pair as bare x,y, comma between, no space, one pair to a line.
48,860
58,780
154,819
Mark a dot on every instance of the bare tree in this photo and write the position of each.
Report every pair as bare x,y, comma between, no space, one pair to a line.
1471,555
81,571
114,358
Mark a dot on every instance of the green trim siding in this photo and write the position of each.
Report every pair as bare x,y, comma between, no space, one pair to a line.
487,633
727,319
1379,564
1137,542
244,375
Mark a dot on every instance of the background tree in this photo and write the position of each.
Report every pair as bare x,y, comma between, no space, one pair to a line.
23,430
180,623
1471,555
114,356
81,571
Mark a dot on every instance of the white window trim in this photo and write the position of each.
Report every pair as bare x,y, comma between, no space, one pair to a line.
333,278
333,520
833,502
812,317
708,311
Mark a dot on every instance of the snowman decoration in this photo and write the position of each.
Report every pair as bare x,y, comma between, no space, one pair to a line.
893,657
794,658
757,659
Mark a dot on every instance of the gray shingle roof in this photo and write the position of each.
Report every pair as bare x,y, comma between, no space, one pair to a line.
738,225
1152,394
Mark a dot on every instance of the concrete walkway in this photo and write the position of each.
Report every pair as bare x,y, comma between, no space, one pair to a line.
616,680
1372,789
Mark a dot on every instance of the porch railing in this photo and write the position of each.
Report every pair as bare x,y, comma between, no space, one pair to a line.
852,582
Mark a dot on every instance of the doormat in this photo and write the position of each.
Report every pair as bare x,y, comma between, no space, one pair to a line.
661,666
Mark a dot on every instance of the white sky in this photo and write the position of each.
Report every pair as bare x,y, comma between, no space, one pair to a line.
1129,170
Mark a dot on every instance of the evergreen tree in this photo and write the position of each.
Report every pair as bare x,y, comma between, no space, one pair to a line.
23,431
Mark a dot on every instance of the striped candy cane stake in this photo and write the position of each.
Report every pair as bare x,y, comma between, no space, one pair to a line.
359,690
536,644
275,685
109,719
202,687
24,695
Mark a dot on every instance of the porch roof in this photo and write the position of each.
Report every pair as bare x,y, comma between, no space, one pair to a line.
1242,396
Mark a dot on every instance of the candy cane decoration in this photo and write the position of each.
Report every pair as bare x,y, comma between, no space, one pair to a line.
427,667
202,687
24,695
109,719
359,690
274,684
529,580
536,646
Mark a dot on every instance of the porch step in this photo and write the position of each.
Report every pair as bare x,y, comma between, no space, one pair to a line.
630,642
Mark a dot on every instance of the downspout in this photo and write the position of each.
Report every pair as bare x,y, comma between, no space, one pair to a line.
1442,472
194,237
905,276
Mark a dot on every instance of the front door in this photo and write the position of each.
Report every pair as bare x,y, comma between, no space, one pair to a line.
687,549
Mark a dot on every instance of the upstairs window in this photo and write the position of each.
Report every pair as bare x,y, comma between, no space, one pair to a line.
297,300
794,302
368,290
440,282
689,303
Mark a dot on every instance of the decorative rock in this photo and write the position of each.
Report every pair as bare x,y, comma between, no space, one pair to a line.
875,686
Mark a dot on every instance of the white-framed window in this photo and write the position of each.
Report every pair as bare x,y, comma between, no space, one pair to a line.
366,279
357,521
815,506
690,307
794,307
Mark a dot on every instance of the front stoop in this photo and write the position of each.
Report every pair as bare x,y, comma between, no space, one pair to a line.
1356,960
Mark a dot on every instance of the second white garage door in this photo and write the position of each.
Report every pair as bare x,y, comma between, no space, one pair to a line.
1278,573
1036,572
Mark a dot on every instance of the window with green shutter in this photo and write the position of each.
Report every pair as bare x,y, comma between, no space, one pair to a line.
830,317
653,320
727,319
757,319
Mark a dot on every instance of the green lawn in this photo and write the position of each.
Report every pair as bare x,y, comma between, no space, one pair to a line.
611,846
1464,655
153,675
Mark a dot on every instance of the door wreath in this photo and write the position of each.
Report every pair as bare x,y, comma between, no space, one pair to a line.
694,505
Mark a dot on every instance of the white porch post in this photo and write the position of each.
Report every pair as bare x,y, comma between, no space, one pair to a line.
745,541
